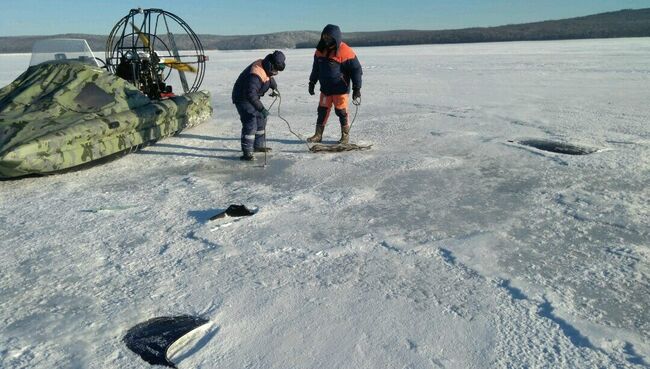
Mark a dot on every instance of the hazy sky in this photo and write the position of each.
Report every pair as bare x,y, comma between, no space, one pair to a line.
45,17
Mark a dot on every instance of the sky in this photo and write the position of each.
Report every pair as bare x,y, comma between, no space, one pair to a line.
32,17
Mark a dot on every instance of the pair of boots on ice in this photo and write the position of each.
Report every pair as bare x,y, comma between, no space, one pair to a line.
320,128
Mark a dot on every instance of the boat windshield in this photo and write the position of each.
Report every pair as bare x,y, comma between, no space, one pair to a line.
62,50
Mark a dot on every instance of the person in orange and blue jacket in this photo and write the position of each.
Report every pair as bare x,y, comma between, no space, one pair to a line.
335,65
252,84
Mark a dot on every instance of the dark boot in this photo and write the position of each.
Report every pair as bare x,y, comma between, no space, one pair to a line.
318,136
345,135
247,156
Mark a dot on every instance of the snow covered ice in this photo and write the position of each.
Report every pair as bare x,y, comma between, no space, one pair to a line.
448,245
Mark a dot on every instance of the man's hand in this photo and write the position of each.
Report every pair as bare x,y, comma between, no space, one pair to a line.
311,88
274,93
356,96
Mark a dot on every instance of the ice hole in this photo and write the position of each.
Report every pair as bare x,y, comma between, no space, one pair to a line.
152,338
559,147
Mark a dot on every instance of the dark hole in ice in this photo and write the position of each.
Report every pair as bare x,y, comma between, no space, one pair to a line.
152,338
559,147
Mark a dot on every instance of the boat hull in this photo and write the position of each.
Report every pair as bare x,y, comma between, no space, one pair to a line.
66,139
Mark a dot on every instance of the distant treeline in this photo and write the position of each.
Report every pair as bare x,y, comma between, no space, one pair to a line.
623,23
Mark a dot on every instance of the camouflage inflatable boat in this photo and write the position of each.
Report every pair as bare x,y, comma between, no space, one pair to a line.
61,114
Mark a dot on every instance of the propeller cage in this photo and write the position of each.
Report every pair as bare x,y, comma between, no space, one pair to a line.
155,50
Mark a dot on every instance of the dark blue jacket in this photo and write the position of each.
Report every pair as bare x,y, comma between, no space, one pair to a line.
334,69
253,83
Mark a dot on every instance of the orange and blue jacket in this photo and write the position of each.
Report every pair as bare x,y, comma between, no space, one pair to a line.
253,83
335,69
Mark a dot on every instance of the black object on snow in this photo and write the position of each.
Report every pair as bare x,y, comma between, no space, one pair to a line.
234,211
152,338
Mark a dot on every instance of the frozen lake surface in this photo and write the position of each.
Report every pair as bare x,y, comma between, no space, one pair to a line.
458,241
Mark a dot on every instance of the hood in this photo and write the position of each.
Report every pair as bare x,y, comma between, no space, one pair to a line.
335,32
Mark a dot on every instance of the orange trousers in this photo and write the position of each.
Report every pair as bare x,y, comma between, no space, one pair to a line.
340,103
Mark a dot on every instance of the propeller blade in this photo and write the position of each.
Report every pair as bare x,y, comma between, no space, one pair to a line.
183,67
143,37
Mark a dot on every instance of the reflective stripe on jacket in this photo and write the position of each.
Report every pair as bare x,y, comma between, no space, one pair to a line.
251,84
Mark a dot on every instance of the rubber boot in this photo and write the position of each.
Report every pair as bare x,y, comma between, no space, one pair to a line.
318,136
345,135
247,156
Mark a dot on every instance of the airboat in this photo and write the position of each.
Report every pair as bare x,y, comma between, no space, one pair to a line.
71,108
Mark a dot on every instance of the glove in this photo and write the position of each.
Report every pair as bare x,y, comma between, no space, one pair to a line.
265,113
356,93
274,93
311,88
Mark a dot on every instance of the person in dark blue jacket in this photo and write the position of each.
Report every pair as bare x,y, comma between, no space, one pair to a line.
335,66
252,84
